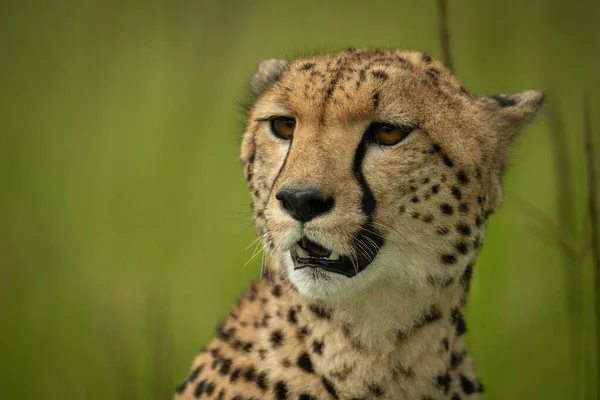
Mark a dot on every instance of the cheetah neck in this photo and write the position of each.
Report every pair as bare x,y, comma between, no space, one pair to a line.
411,338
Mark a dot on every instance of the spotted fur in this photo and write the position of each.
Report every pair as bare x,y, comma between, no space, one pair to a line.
418,209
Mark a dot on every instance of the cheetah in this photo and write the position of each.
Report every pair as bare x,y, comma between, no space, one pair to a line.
373,174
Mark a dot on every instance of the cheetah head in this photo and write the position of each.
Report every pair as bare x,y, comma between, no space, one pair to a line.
374,165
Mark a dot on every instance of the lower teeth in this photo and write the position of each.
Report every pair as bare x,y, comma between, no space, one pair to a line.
304,254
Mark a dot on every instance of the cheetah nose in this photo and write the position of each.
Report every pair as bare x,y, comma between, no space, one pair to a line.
304,204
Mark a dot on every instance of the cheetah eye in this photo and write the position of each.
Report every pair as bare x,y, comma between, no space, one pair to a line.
283,127
387,134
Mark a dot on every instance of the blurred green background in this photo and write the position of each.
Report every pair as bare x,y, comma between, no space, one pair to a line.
124,214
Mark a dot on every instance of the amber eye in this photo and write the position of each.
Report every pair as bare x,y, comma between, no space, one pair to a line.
283,127
388,135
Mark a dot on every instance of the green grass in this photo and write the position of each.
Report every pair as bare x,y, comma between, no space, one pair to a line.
123,211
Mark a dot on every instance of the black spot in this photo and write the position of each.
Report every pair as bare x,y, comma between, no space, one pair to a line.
436,147
415,215
463,229
447,161
456,359
319,312
305,363
210,388
425,57
262,353
458,321
466,278
195,372
456,193
265,320
467,385
261,381
276,291
250,373
455,396
302,333
181,388
504,101
415,199
317,347
330,388
306,396
401,335
435,189
235,375
380,75
446,344
307,66
433,74
413,188
375,100
225,367
221,394
463,208
478,221
276,338
448,259
362,75
432,315
479,199
281,391
404,63
443,382
199,388
376,389
446,209
292,316
247,347
428,218
462,177
401,209
462,247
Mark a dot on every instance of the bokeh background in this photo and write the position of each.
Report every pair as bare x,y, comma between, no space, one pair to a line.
124,215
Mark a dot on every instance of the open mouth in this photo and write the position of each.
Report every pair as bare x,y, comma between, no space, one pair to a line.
308,254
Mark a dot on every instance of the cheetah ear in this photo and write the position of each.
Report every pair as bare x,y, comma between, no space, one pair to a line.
268,72
513,111
509,113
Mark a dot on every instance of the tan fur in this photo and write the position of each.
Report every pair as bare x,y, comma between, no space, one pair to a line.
394,331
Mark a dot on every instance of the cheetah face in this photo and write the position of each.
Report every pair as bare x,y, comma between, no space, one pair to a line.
369,166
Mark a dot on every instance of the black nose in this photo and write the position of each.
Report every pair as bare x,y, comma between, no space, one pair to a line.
304,204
